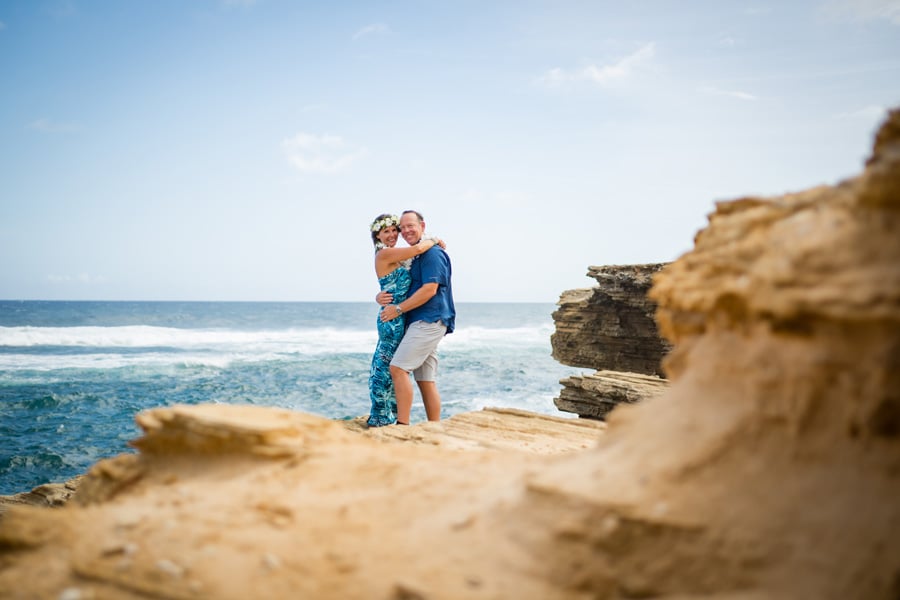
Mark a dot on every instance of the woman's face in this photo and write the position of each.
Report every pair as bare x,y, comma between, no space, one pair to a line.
388,235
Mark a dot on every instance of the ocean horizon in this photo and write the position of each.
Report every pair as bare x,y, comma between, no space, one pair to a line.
74,373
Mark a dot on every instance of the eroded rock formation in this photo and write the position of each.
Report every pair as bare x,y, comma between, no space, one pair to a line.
595,395
770,468
610,328
47,495
250,502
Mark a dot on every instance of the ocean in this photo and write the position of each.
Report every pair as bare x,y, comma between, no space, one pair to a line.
74,374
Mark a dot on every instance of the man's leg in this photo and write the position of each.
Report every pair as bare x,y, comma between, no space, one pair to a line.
403,390
426,377
431,398
416,353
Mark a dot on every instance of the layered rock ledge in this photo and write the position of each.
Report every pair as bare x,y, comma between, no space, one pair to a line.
610,328
255,431
250,502
594,396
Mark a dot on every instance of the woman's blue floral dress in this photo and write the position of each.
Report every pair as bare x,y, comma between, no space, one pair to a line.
381,387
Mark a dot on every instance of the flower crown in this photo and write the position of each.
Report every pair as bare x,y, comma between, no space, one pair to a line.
385,222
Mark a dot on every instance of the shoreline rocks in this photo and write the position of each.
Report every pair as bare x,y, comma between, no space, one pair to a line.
490,428
610,328
48,495
594,396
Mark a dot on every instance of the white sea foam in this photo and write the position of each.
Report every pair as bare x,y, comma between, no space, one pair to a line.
51,348
142,336
32,362
308,340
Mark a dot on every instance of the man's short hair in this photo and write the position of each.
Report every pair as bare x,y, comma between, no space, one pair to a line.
415,212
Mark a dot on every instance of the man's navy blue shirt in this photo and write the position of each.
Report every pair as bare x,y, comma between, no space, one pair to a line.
433,266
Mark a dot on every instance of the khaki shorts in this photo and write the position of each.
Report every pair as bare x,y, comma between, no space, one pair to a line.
417,352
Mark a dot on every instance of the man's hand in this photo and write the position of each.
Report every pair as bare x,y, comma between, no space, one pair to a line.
389,313
384,298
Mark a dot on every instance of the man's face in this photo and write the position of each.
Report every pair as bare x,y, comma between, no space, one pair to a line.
411,229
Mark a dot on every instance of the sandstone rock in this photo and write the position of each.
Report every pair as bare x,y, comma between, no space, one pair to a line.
493,428
207,429
47,495
771,467
611,326
594,396
244,502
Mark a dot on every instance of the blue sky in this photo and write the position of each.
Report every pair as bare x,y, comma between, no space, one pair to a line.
238,150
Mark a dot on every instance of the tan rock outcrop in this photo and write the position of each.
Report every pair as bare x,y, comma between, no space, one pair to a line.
250,502
47,495
770,468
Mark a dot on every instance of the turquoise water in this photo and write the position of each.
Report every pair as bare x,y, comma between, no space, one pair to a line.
74,374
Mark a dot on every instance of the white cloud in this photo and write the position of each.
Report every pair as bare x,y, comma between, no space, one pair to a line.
864,10
868,113
45,125
731,93
328,154
374,28
603,75
726,41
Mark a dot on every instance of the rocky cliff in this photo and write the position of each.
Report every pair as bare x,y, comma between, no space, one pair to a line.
770,467
610,328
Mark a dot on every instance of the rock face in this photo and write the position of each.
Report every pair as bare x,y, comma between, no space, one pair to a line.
769,468
250,502
48,495
611,328
594,396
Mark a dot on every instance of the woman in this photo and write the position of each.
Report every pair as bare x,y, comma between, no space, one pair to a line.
392,269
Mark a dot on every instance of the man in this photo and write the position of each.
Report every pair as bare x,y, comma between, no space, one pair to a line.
430,315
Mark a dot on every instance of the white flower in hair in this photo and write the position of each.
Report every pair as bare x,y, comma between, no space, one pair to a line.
384,222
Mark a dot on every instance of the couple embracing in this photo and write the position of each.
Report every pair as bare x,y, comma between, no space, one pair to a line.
416,313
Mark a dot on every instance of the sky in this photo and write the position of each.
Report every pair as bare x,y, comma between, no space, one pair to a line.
239,149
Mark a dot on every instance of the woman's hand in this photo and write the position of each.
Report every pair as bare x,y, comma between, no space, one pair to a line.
435,241
384,298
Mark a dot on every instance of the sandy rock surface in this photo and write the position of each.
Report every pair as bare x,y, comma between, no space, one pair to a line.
242,502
